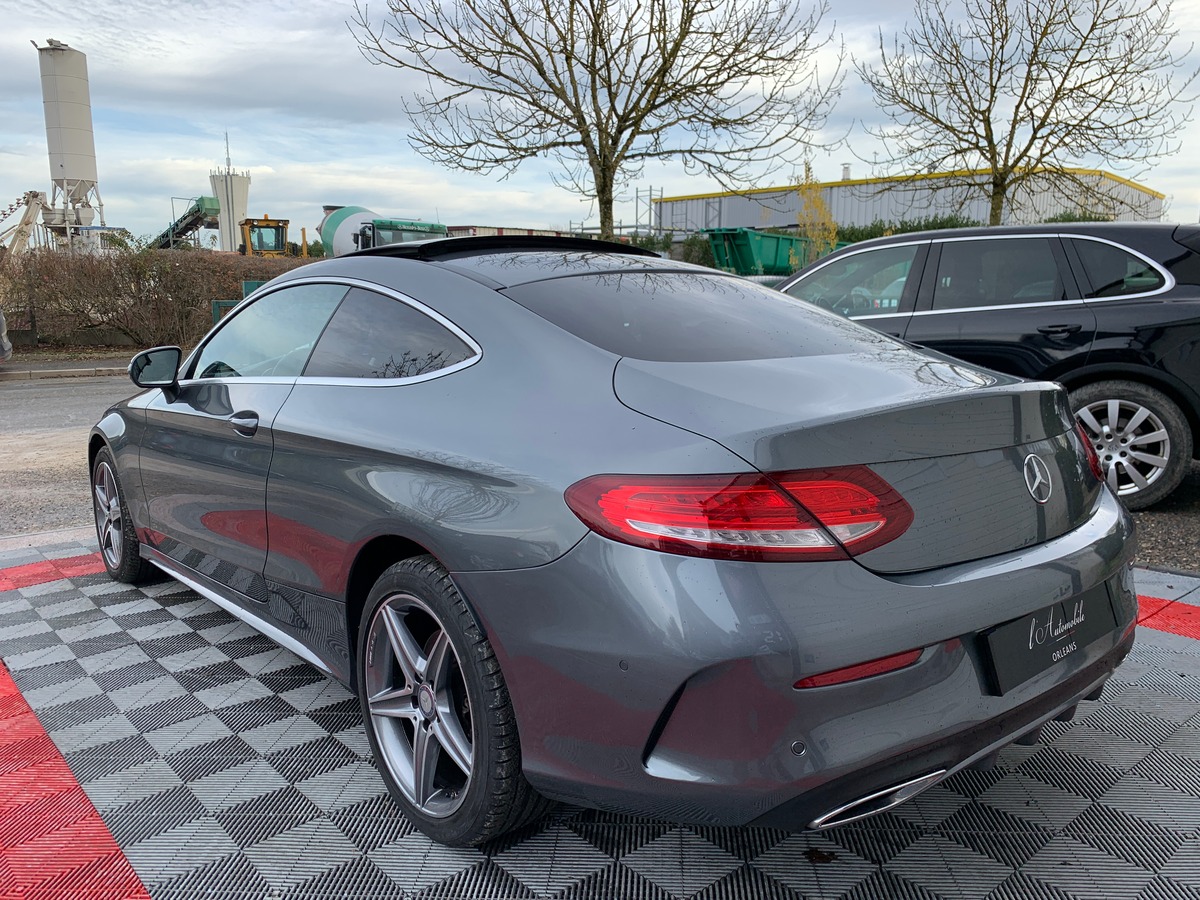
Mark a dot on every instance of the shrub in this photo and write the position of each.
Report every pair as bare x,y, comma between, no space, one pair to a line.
697,248
854,233
151,296
1082,215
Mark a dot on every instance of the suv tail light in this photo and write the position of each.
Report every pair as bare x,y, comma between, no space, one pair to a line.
815,514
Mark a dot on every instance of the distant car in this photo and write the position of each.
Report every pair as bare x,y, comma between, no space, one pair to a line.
1112,311
577,522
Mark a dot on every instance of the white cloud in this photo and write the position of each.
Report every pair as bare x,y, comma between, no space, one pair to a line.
314,123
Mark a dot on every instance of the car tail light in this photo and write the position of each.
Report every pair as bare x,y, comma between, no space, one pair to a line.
818,514
861,670
1089,451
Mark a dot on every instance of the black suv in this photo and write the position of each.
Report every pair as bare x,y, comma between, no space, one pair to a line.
1112,311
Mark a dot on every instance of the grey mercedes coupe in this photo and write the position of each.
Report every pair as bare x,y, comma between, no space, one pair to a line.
582,524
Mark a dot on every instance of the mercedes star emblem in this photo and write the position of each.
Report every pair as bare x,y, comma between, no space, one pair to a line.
1037,478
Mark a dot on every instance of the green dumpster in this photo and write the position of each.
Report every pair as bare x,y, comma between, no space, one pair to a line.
745,251
220,307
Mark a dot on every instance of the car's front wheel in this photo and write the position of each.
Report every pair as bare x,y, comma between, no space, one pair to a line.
119,546
438,714
1141,436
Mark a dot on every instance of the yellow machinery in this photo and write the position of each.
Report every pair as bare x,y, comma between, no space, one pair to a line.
264,237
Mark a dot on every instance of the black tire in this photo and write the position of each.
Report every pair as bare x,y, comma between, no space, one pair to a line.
440,699
1141,436
119,545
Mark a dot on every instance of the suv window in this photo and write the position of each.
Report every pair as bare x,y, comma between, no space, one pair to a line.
996,272
273,336
686,317
860,283
373,336
1114,271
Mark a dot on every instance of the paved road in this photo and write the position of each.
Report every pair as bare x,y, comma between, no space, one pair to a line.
43,456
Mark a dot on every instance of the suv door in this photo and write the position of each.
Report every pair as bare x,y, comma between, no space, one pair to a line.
1007,303
877,286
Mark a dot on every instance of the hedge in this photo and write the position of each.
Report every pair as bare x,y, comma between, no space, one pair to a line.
151,296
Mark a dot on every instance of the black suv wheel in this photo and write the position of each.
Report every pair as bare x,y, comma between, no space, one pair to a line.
1141,436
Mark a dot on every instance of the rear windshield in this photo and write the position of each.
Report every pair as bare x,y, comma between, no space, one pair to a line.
688,317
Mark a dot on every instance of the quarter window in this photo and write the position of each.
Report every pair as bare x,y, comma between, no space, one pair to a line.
861,283
996,273
373,336
1115,272
272,337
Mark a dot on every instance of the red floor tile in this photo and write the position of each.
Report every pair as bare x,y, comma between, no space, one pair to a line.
53,843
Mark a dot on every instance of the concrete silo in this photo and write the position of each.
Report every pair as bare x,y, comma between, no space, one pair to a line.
75,197
232,190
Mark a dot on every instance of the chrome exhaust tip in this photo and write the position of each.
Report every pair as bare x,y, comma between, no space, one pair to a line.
878,802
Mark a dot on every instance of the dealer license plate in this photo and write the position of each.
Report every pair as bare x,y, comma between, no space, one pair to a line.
1024,647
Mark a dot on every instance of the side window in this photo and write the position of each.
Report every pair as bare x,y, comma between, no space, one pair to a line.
861,283
1114,272
273,336
373,336
996,273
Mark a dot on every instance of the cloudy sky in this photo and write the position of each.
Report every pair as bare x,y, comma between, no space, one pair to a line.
315,124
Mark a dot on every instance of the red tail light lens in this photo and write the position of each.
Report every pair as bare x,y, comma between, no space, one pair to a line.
819,514
1090,451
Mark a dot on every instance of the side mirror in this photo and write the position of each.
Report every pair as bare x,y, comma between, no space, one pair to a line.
156,368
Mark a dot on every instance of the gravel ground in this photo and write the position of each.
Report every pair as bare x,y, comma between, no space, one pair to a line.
1169,534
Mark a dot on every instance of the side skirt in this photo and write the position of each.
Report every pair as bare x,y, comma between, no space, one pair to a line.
208,589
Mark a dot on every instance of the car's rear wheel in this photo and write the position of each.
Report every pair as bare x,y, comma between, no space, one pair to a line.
438,713
1141,436
119,545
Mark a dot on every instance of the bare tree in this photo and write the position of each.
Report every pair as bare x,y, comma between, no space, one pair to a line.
1011,95
732,88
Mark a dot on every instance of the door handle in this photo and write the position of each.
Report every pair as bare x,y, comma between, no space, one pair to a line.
1060,329
244,423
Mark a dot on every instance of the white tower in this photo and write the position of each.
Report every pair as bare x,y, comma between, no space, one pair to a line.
232,190
74,198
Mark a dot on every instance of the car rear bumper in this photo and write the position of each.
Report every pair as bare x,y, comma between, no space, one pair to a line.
868,791
662,685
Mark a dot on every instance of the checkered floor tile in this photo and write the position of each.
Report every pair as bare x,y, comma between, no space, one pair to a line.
224,767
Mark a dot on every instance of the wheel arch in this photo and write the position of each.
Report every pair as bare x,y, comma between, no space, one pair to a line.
373,559
95,442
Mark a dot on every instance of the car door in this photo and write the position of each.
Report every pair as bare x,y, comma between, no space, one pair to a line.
208,444
1008,303
877,286
350,437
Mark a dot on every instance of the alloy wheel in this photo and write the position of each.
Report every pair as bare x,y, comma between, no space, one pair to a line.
106,503
418,705
1131,440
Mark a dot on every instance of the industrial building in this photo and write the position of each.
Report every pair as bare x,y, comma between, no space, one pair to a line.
863,201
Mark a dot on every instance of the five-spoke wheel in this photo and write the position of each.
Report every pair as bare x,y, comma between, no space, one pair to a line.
417,700
119,546
106,503
438,714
